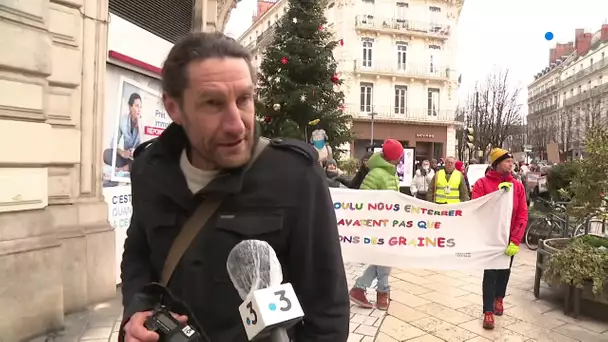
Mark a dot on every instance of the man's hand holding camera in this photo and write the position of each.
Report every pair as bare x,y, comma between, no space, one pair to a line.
135,331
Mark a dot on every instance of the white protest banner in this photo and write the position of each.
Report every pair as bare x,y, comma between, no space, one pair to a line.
389,228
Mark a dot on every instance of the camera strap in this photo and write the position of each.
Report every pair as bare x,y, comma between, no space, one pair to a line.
195,223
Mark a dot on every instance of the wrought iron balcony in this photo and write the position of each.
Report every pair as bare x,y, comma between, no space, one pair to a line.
393,68
402,25
599,90
545,92
386,113
599,65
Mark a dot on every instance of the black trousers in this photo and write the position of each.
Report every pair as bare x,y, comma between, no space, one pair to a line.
494,286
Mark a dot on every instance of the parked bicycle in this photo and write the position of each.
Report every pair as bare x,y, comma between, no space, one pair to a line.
556,224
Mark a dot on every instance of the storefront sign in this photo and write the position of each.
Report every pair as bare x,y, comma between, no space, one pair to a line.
424,135
389,228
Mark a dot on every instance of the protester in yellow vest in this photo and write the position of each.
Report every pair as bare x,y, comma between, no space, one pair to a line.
448,185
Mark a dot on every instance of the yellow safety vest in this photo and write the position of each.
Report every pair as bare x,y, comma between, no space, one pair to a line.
442,194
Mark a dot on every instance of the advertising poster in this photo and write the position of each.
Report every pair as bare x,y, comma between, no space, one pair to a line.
405,168
134,116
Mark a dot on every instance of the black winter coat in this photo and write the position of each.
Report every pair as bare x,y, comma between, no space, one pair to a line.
287,206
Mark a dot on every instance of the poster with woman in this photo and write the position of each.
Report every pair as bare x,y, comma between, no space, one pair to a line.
139,116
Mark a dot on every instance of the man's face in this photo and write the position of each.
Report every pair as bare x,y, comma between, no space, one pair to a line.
505,166
450,165
135,109
331,167
217,112
433,163
425,165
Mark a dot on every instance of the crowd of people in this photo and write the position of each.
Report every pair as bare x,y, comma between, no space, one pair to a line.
442,182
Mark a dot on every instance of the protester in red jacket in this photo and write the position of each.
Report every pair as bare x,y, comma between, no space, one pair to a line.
495,281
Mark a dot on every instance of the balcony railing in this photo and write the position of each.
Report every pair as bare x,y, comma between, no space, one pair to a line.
393,68
403,25
547,91
599,90
602,63
390,113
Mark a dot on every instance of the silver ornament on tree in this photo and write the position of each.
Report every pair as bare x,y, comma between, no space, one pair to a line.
295,20
303,98
276,106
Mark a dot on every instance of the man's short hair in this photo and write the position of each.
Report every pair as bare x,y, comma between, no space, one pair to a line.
198,46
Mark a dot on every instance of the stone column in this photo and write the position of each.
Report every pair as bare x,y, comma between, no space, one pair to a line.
211,15
56,246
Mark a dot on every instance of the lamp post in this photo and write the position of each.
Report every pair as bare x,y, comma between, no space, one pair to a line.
371,139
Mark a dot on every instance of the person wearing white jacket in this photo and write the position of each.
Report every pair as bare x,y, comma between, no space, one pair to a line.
423,179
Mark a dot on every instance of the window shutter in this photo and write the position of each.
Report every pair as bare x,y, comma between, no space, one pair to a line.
168,19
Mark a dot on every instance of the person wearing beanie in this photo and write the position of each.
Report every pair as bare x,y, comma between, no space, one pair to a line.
495,282
332,173
448,185
382,175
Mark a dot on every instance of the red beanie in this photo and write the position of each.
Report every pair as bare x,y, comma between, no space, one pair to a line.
392,150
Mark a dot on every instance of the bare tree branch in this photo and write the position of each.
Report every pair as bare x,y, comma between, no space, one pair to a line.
493,111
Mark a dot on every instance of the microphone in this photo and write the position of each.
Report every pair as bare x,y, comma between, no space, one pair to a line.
269,308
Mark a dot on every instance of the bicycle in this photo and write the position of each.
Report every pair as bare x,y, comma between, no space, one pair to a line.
552,225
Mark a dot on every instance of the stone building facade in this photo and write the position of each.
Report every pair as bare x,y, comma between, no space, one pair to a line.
57,250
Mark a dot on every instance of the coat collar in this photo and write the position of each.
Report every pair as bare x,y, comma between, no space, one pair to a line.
163,174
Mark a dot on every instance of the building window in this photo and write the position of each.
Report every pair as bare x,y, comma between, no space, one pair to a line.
434,51
367,94
367,47
400,99
438,150
401,56
434,18
401,12
433,102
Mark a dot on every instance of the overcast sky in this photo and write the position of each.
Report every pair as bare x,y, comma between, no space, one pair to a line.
498,33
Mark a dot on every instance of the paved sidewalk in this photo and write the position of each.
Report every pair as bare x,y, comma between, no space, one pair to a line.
426,306
429,306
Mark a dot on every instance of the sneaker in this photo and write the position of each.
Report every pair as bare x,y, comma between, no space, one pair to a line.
499,309
488,320
382,300
358,297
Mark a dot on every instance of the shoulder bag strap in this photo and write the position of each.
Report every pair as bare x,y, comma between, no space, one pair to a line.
195,223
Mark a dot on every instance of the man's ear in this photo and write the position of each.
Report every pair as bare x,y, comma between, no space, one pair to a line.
173,109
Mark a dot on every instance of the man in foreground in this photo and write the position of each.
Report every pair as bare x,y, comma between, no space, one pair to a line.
495,281
448,185
208,90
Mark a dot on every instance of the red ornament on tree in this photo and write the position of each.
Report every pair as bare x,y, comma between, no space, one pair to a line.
341,41
320,27
284,60
342,107
267,119
335,79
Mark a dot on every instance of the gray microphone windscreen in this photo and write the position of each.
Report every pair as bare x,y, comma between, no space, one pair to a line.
253,265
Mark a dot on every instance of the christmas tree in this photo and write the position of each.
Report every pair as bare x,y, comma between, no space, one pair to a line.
299,88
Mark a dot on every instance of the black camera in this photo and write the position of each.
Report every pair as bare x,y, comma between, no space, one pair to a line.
168,328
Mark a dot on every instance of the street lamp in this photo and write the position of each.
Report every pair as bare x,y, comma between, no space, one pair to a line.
371,139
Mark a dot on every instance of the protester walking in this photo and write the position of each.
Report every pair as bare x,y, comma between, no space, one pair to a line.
495,281
448,185
423,179
381,176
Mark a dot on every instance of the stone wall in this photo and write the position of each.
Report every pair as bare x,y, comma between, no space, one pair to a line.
56,247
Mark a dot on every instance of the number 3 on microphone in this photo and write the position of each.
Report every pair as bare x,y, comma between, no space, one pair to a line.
254,315
282,298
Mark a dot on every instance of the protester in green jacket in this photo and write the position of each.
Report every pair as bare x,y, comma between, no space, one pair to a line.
382,175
